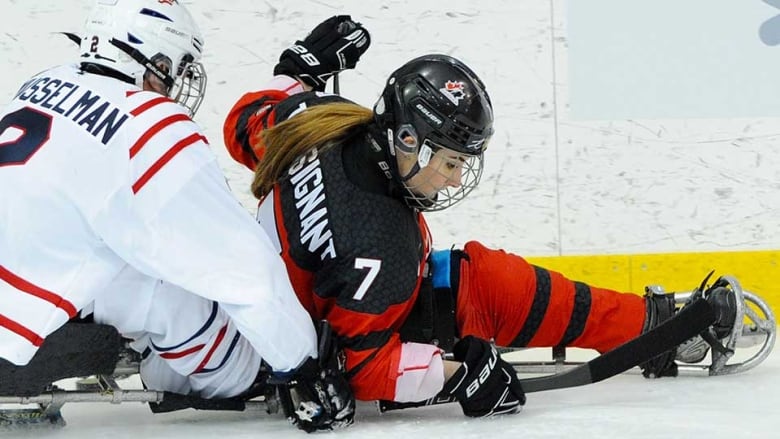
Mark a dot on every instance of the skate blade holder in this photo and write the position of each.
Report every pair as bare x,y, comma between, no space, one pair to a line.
751,341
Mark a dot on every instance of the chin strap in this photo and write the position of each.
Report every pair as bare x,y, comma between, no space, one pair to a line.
98,69
412,173
140,58
384,160
132,52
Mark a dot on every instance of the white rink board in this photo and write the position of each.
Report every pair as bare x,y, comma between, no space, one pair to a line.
553,185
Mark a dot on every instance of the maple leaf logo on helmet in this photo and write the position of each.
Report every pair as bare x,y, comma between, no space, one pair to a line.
454,91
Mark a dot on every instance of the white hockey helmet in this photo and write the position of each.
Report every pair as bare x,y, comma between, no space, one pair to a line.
136,37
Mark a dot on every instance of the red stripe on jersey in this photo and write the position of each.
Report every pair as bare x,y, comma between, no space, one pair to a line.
407,369
292,86
156,128
15,327
205,361
187,141
149,104
34,290
132,92
184,353
421,366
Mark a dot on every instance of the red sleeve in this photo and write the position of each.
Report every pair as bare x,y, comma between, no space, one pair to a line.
244,123
396,371
372,348
376,379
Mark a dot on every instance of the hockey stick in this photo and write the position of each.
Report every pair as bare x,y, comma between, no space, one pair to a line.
687,323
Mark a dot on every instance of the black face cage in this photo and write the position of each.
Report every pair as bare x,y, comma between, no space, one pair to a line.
471,174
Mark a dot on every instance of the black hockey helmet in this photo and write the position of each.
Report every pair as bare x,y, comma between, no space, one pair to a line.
439,98
436,101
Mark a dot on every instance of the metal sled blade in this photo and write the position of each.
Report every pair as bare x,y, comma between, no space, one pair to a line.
44,409
30,396
26,418
103,388
755,325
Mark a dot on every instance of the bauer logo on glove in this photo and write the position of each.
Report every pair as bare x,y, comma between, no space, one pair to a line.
334,45
484,374
485,384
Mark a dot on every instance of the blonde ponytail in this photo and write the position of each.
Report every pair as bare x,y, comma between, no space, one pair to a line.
319,127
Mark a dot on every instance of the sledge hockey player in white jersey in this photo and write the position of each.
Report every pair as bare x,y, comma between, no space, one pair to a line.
113,201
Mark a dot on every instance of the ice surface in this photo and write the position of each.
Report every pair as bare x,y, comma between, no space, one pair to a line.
626,406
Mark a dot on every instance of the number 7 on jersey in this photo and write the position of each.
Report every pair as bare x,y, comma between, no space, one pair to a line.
373,266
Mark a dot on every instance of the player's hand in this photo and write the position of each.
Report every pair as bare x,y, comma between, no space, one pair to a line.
334,45
485,385
317,396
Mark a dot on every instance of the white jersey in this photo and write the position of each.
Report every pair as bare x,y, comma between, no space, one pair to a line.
96,175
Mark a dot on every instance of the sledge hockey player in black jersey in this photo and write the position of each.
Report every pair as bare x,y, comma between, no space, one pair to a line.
343,190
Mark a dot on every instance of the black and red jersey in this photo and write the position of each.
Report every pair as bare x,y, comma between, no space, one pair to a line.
354,254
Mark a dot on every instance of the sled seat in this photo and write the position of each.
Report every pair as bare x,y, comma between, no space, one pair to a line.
74,350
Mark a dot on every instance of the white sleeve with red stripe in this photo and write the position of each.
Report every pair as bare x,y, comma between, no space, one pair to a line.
420,372
166,148
178,221
49,308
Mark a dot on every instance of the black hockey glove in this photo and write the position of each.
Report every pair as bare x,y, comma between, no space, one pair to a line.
316,396
334,45
485,385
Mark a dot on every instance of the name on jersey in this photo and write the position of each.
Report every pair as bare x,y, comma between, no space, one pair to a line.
87,109
306,179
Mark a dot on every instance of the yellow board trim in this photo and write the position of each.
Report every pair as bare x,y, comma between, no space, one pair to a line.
757,271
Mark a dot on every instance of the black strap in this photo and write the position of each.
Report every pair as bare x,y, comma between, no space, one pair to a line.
579,315
538,308
97,69
73,37
140,58
432,319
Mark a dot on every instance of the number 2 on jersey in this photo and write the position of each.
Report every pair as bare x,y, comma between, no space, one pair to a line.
373,266
34,128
